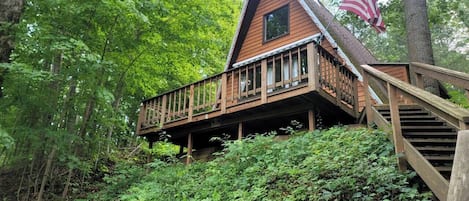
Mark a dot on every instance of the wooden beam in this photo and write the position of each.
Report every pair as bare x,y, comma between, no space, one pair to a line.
459,183
311,120
189,149
419,80
396,126
437,183
224,83
240,130
190,113
368,109
312,59
264,81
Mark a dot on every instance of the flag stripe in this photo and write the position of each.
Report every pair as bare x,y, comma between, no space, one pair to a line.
367,10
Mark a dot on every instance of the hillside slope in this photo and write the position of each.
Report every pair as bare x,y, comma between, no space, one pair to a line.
335,164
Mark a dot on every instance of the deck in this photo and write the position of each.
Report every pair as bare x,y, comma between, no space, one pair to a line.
297,80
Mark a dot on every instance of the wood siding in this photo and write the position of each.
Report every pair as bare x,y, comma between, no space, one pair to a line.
397,71
301,26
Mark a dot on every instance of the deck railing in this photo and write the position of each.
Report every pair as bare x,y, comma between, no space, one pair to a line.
301,66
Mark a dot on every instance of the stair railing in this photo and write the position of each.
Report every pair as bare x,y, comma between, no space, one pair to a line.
456,78
446,110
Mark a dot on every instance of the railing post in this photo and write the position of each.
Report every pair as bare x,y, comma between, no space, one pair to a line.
191,103
368,105
459,182
313,66
141,116
396,126
163,110
419,80
264,81
338,87
356,104
224,83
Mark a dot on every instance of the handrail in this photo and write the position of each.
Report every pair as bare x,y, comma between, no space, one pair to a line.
445,109
456,78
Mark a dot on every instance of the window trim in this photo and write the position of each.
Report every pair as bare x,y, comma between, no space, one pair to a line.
264,24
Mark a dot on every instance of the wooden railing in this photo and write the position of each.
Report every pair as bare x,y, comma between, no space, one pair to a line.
421,70
337,79
446,110
306,65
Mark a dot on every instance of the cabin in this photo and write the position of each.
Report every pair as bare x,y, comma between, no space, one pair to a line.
290,61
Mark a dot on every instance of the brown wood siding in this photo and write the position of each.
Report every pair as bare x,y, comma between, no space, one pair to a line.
399,72
301,26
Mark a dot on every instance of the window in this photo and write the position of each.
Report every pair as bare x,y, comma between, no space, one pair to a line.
276,24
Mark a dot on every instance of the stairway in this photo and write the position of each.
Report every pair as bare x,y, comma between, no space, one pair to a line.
431,136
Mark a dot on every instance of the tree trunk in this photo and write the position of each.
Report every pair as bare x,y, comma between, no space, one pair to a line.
10,13
50,158
419,43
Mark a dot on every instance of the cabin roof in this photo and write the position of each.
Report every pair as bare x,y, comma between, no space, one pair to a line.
348,45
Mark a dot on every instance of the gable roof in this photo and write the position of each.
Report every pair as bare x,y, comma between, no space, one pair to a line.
349,47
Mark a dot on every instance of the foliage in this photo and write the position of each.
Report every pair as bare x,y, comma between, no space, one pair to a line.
80,69
335,164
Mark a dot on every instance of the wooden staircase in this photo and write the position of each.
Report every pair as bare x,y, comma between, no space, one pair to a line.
429,133
431,136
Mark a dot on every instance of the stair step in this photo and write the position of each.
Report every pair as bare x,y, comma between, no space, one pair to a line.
435,148
441,157
444,168
428,134
432,140
406,112
427,128
416,117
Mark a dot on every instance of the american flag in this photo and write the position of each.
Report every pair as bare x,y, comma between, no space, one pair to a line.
367,10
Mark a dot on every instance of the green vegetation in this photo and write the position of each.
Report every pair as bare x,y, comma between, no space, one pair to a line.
335,164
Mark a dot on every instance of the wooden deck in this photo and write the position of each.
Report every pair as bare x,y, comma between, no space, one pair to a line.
299,79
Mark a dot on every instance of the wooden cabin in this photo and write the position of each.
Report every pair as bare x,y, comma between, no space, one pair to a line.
290,60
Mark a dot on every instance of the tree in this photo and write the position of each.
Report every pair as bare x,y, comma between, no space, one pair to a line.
419,43
10,12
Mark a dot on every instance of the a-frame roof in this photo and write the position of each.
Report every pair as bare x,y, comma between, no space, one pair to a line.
349,47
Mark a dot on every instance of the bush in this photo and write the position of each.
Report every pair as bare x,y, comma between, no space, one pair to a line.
336,164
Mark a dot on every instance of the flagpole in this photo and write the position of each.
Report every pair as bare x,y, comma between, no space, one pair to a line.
329,23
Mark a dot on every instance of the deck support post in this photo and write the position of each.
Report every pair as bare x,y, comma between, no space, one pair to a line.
396,126
368,109
311,120
240,130
264,81
189,149
313,66
459,182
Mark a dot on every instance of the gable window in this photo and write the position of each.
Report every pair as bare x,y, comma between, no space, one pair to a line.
276,23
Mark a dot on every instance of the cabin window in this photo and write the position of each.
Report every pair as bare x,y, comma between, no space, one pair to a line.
276,23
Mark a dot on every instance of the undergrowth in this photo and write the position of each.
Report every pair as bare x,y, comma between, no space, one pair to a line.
335,164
